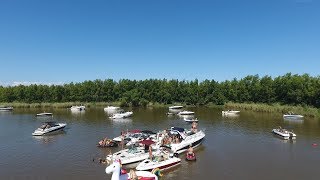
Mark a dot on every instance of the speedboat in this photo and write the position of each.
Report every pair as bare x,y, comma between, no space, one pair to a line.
48,127
78,108
183,113
230,112
291,115
134,136
44,114
131,155
7,108
175,107
111,108
190,120
187,137
119,174
126,135
285,134
121,115
161,161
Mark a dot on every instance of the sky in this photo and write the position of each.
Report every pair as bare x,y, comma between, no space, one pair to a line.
61,41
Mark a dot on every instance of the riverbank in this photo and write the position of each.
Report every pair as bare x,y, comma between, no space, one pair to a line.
87,104
275,108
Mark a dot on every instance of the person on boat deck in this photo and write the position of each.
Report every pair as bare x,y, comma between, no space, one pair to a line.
150,152
177,141
190,150
194,127
133,175
43,126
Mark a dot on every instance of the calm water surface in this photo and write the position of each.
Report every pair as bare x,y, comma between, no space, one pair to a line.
234,148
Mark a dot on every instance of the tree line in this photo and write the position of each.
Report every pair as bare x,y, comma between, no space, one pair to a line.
287,89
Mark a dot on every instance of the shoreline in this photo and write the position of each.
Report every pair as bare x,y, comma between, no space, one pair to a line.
306,111
254,107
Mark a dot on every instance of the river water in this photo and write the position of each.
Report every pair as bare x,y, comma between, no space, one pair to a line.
241,147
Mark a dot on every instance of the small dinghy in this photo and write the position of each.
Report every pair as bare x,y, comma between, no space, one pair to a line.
190,120
285,134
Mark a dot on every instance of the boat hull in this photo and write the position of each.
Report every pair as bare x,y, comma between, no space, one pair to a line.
284,134
195,141
148,165
129,158
39,132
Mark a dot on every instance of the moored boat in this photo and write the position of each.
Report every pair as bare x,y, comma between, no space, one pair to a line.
187,138
48,127
190,120
6,108
44,114
131,155
230,112
284,133
78,108
121,115
183,113
175,107
160,161
115,169
111,108
292,115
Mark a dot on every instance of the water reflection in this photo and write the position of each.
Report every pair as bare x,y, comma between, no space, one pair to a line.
50,137
121,121
293,120
230,115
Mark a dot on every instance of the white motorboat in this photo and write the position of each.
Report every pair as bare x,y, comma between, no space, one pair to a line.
7,108
187,138
175,107
48,127
131,155
121,115
184,113
78,108
292,115
111,108
286,134
126,135
161,161
230,112
44,114
190,120
115,169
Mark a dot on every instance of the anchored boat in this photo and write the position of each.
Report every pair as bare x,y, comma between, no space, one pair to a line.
48,127
286,134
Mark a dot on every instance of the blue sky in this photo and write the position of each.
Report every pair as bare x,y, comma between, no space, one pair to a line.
75,40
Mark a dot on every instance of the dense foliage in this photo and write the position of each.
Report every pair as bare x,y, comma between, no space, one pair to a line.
287,89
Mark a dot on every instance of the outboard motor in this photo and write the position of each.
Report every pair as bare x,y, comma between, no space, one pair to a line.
175,154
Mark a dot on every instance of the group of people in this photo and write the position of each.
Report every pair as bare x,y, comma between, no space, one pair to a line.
45,126
104,142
